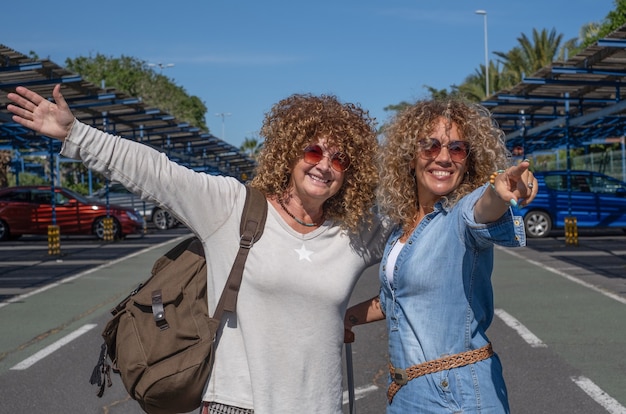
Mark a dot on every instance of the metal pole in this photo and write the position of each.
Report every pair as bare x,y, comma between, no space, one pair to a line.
623,142
568,159
349,368
484,14
52,190
223,115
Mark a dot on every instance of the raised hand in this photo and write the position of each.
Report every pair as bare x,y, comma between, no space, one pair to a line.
515,186
530,187
517,183
52,119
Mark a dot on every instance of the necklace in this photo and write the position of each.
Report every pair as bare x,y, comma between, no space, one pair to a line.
282,204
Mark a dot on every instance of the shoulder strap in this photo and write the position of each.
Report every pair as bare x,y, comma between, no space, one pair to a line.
250,229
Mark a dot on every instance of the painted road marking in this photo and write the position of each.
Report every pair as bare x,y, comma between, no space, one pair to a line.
523,331
69,245
51,263
28,362
359,392
566,276
605,400
79,275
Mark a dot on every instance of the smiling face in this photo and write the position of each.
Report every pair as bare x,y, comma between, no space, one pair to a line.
439,174
316,183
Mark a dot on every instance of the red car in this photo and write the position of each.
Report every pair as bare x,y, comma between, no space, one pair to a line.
29,210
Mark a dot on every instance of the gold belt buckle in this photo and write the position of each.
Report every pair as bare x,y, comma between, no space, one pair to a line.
400,376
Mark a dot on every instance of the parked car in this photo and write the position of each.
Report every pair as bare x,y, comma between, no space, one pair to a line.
118,194
28,210
596,200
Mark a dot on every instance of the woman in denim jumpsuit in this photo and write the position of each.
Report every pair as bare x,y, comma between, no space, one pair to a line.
445,184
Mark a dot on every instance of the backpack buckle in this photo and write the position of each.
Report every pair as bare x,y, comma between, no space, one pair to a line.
246,242
158,311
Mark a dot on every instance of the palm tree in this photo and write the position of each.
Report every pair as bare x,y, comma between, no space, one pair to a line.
530,56
473,87
572,46
398,107
251,146
526,58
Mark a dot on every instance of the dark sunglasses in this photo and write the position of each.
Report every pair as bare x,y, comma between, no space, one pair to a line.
339,161
430,148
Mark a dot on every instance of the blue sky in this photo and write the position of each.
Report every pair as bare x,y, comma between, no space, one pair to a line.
241,57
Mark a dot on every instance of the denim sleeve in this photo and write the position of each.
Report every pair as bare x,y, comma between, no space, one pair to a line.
507,231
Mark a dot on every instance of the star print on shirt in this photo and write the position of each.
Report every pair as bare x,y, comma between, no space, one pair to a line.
304,253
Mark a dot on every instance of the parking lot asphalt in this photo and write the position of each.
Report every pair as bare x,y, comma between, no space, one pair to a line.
90,276
599,258
25,264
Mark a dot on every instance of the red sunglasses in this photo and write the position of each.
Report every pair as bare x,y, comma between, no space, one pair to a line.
339,161
429,148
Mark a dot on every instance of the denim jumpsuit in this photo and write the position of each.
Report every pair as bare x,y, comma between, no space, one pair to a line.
441,303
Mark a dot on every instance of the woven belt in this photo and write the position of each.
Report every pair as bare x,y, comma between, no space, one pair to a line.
402,376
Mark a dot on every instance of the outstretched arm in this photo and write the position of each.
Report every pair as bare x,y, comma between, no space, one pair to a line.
514,186
52,119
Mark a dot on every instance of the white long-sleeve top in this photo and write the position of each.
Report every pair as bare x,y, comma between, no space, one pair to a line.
281,351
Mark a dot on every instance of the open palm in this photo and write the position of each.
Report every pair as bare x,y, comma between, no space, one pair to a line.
33,111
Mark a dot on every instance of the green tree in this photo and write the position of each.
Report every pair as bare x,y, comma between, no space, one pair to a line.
397,107
5,163
587,32
27,179
530,55
441,93
614,19
136,78
251,146
473,87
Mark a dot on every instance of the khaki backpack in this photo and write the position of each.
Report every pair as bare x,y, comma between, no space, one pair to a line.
161,337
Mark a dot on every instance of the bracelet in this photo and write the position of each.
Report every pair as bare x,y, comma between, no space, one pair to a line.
492,184
492,178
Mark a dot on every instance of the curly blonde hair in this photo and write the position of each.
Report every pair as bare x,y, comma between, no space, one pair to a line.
397,193
301,119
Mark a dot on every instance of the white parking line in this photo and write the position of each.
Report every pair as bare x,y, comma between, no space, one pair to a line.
20,263
591,389
599,396
359,392
28,362
57,262
524,332
565,275
79,275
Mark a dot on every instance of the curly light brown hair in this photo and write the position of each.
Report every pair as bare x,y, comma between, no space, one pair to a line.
397,193
302,119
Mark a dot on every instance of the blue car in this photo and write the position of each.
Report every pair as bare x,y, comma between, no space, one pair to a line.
596,200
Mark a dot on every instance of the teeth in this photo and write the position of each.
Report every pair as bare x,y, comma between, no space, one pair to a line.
318,179
441,173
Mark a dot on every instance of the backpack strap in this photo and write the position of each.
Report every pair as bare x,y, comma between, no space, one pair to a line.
251,229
